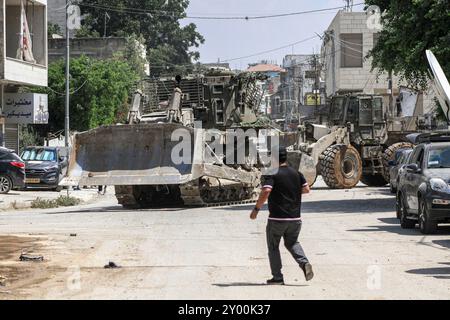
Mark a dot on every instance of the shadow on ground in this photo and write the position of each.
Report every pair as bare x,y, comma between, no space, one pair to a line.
249,284
335,206
438,272
112,209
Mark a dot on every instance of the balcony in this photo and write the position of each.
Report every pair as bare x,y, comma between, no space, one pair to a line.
16,65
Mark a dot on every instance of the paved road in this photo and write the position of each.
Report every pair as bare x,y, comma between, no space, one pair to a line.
352,238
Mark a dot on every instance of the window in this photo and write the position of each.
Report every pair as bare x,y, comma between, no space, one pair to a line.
417,157
39,155
378,110
365,112
351,50
219,111
439,157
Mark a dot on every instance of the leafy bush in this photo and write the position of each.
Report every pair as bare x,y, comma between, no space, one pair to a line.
61,201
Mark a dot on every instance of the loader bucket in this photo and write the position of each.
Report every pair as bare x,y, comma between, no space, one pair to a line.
128,155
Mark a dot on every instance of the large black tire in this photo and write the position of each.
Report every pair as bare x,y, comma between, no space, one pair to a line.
341,167
426,225
373,180
389,154
5,184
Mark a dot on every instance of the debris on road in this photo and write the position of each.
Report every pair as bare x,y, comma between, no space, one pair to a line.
111,265
73,234
28,257
3,281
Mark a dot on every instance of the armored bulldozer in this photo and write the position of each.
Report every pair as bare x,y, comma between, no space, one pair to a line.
165,156
356,145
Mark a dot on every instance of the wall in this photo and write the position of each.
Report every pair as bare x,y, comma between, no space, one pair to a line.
98,48
354,79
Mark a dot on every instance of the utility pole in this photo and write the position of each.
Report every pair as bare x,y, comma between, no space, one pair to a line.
67,117
391,94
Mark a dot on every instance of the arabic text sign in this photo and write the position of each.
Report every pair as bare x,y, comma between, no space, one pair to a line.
26,108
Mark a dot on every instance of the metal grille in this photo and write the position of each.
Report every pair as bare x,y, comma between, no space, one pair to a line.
158,91
12,137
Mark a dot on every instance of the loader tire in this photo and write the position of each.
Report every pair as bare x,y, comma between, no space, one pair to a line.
341,167
377,180
389,155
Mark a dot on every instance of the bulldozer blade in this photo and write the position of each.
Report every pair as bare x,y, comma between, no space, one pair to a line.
128,155
142,155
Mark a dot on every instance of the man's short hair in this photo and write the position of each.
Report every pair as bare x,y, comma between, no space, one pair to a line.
282,154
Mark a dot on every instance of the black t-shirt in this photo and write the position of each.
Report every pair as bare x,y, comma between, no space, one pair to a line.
286,196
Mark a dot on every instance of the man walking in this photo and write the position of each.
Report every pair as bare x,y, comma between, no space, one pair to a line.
284,191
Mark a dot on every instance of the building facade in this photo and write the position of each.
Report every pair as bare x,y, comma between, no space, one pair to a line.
23,57
346,44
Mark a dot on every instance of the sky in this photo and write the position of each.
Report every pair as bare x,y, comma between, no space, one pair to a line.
229,39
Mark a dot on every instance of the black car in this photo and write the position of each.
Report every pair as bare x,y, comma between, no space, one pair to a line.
45,166
396,165
12,171
423,194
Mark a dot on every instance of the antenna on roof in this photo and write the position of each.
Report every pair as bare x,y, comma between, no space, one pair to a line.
348,5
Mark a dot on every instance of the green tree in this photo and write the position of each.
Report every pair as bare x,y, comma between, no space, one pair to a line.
53,29
99,94
410,28
169,44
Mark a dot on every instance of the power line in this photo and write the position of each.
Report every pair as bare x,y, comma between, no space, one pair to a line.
200,17
269,51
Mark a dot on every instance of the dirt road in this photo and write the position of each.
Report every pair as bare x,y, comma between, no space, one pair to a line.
352,238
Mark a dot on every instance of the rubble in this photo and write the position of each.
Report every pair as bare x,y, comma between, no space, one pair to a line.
111,265
29,257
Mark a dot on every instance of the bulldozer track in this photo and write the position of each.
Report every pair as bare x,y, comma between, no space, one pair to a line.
192,195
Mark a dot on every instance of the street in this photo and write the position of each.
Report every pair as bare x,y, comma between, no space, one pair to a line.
351,237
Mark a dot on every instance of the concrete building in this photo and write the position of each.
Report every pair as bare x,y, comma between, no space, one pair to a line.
346,44
23,58
271,102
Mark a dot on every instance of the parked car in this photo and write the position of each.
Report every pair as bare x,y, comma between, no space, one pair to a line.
423,194
401,158
45,166
12,171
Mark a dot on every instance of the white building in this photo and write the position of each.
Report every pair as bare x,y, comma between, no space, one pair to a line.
346,44
23,55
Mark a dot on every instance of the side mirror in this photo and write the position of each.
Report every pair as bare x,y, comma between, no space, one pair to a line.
392,163
413,168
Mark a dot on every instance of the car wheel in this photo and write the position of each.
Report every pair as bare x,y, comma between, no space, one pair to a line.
426,225
405,223
5,184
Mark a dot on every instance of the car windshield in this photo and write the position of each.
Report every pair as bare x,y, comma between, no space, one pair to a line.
39,155
439,157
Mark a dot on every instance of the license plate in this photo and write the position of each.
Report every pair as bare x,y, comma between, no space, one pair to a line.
32,180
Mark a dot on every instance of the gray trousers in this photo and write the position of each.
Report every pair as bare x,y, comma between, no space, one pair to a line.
289,231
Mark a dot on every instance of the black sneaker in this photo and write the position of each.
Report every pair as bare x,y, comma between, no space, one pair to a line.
308,271
275,282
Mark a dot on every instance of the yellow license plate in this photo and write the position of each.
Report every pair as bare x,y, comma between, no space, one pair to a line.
32,180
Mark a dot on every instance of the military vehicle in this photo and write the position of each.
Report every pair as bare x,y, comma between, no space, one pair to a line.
356,145
140,158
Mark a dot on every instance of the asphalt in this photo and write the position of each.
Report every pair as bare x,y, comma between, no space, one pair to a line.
352,239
